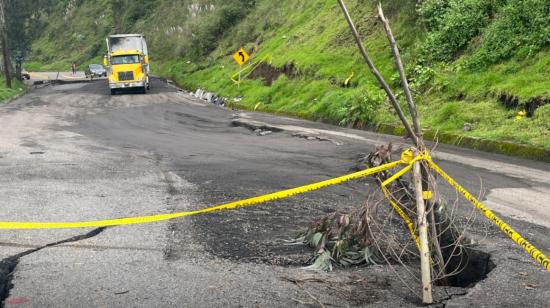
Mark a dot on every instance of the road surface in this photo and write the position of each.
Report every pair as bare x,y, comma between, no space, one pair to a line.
74,153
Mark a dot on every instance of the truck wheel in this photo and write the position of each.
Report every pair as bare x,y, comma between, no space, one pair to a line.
144,90
113,91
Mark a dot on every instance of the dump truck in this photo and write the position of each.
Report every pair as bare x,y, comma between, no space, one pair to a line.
127,62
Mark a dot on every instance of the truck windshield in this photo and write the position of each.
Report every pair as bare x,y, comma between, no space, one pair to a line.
125,59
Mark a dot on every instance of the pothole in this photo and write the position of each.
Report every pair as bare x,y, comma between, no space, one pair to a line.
311,137
256,127
465,264
470,267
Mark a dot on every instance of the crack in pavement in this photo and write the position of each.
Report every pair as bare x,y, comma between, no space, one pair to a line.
77,246
8,265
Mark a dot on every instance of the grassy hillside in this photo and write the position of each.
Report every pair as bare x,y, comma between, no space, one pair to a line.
473,61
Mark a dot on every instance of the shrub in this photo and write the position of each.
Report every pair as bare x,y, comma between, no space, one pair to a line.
509,27
361,110
452,25
521,28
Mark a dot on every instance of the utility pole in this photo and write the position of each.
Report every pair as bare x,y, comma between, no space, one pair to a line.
4,42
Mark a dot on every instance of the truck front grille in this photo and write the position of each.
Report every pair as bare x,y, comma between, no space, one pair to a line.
123,76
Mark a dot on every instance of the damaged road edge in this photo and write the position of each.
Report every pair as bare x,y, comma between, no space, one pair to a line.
9,264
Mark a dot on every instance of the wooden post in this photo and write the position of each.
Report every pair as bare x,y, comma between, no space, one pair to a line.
416,135
417,129
425,266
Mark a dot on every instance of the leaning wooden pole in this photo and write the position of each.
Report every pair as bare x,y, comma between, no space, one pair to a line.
425,267
376,73
418,131
402,75
416,136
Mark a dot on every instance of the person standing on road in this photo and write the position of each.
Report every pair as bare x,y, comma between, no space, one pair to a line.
73,67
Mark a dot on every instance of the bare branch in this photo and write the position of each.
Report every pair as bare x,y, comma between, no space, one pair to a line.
376,73
402,75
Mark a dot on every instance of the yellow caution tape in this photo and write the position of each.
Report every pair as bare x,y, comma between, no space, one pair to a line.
407,158
161,217
427,195
396,207
403,215
399,174
516,237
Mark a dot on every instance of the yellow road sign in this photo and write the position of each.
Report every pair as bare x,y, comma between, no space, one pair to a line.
241,56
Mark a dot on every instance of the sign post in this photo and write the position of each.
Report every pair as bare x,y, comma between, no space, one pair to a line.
241,57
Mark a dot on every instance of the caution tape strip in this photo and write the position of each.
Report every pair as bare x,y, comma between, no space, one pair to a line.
162,217
406,158
515,236
396,207
403,215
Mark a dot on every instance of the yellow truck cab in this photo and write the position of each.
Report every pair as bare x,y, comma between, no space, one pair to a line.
127,62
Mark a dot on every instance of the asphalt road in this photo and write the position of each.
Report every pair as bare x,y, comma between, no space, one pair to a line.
73,153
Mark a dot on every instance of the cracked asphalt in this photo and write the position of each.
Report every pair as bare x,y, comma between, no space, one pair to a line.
73,153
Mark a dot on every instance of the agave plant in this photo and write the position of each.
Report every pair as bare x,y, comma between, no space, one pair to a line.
339,239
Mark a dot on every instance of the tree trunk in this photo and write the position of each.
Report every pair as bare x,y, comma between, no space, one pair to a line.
433,219
4,42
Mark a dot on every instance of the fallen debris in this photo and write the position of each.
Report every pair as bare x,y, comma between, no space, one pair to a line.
210,97
311,137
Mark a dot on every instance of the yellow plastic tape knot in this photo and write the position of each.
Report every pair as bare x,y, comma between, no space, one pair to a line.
427,195
426,155
407,156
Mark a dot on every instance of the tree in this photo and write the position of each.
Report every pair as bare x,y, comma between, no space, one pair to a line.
4,42
23,23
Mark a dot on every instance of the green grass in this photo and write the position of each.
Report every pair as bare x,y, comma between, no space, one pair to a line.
525,79
6,93
325,61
